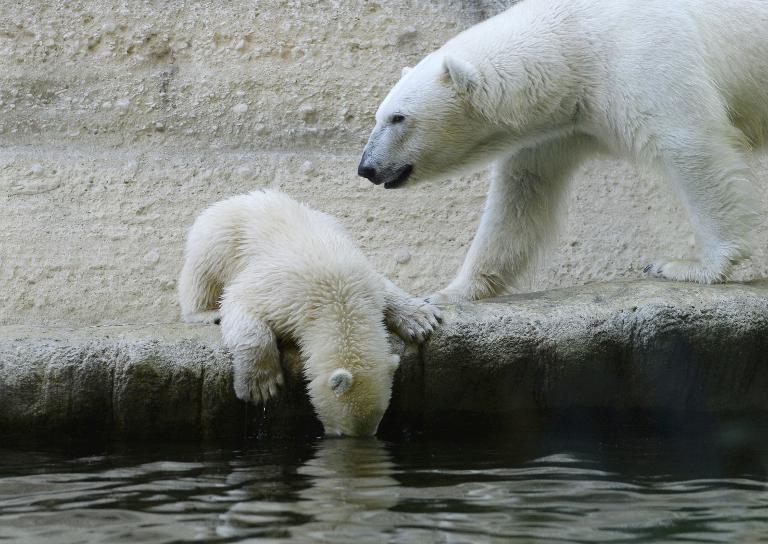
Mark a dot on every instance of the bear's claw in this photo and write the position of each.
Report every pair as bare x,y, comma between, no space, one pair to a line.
259,387
257,381
414,320
686,270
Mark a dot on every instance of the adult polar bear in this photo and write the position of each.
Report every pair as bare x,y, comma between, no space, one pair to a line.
678,84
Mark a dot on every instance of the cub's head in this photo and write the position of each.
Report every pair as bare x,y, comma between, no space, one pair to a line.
352,402
429,124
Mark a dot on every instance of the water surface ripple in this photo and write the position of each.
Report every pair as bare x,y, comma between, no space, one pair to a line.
624,489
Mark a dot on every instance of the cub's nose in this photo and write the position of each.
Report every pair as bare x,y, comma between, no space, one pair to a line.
366,171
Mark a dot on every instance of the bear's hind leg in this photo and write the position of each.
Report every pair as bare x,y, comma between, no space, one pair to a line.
715,186
205,316
256,358
198,292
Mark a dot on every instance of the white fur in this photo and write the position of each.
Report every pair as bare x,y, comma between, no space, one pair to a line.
679,85
282,270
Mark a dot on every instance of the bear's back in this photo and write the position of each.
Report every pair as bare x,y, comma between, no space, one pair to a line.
273,234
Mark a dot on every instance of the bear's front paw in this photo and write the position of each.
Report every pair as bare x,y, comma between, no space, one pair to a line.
415,320
257,378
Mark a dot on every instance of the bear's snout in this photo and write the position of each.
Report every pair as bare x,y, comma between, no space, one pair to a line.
367,171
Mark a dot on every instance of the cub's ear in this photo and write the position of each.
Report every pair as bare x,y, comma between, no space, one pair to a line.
461,74
340,381
405,71
395,362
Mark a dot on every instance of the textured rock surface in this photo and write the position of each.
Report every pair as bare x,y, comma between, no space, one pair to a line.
120,121
621,346
625,345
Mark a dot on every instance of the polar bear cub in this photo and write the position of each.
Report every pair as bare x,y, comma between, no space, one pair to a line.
270,267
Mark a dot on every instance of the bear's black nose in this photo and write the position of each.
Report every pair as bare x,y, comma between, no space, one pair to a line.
367,172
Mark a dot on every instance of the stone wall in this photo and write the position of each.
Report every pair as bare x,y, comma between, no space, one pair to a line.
121,120
624,348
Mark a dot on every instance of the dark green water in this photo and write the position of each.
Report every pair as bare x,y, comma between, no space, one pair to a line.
576,482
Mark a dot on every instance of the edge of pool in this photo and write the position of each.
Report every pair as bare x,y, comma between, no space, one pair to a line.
621,346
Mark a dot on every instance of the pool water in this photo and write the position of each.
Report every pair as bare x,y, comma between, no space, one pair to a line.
574,482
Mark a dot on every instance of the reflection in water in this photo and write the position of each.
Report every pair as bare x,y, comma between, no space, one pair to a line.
346,477
348,482
592,486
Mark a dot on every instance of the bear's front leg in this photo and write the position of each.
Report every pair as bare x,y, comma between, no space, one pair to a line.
412,319
521,211
256,358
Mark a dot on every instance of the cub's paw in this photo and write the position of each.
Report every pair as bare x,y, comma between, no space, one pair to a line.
258,376
685,270
414,320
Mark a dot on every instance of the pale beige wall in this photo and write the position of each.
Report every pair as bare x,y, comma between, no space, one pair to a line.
120,121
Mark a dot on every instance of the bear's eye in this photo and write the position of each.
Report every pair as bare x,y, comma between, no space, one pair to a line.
397,118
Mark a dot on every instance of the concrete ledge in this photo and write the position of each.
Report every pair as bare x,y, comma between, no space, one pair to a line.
642,345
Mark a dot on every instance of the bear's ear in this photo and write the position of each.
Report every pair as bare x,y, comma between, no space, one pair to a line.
340,381
405,71
461,74
395,362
